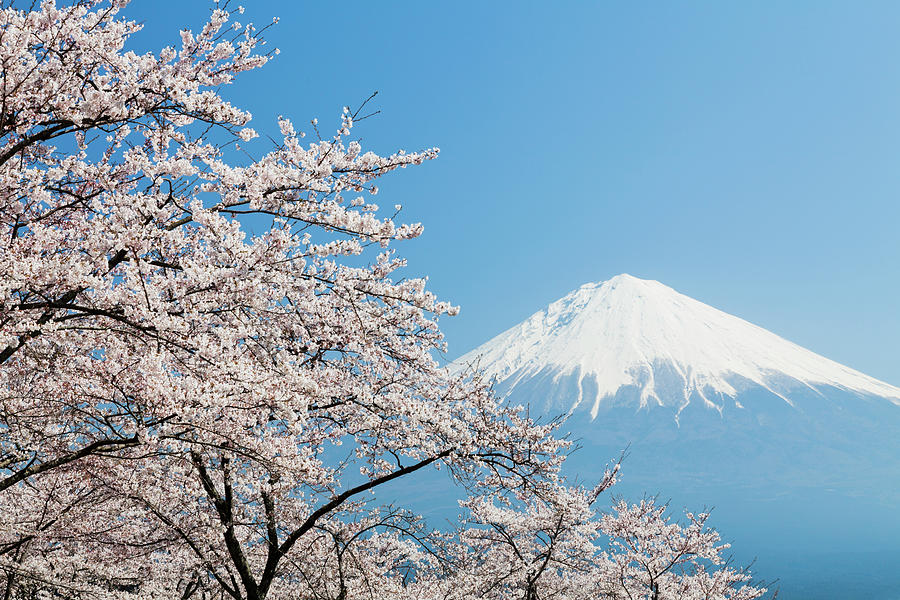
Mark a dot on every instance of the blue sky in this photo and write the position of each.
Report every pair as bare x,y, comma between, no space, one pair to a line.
744,154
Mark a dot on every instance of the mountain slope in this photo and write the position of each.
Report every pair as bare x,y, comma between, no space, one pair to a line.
668,349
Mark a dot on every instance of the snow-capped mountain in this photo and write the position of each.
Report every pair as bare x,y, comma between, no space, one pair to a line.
697,395
798,453
629,339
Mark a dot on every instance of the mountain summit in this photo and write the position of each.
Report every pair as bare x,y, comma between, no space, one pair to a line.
635,340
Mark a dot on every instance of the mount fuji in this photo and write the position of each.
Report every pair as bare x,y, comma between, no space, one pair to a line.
800,454
629,336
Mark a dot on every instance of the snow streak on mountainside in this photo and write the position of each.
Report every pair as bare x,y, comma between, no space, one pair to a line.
671,349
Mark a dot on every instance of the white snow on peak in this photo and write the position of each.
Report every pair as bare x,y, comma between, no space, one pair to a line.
634,332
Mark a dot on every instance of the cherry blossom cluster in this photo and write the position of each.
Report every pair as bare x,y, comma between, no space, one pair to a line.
552,543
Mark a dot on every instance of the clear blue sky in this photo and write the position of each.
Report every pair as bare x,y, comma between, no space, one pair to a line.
744,154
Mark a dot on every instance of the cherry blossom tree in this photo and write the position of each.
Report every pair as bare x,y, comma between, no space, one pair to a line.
651,556
189,377
191,411
551,543
530,546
